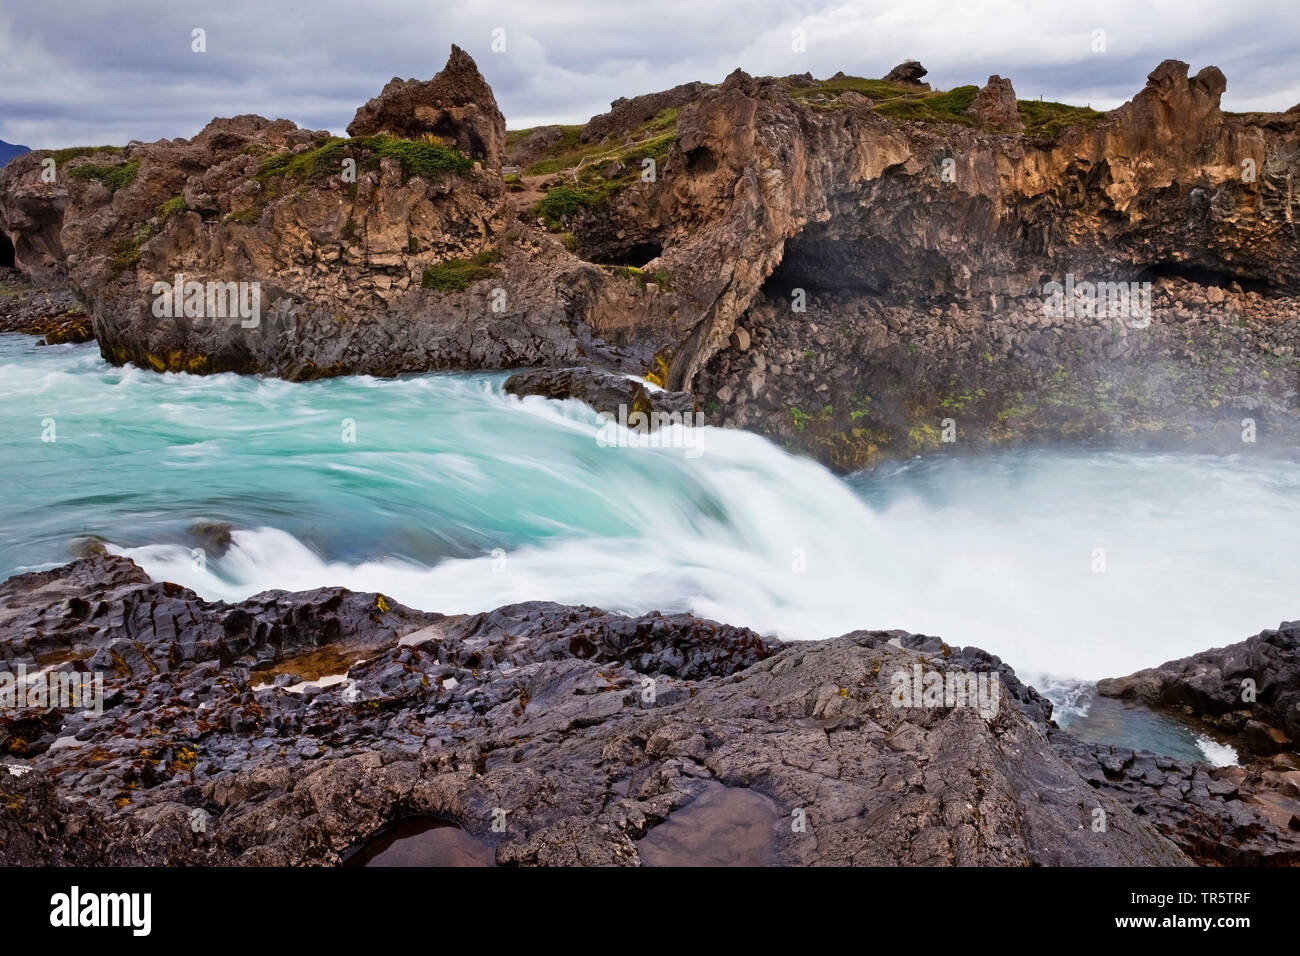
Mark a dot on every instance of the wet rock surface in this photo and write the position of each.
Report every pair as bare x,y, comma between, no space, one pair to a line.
423,841
1249,690
1227,816
554,735
604,391
53,313
856,378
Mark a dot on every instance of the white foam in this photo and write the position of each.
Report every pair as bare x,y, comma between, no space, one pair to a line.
1217,754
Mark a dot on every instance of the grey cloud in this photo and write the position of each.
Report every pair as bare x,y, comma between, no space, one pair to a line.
84,71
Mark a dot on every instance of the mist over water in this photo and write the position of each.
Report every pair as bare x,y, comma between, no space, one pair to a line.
456,497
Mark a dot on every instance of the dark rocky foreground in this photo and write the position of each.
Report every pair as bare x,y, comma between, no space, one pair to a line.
53,313
586,737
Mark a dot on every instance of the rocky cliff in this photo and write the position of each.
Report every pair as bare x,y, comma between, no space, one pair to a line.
855,267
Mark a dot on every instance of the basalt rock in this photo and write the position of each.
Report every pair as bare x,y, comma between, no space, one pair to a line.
625,114
1250,690
908,73
1226,816
456,105
616,396
996,105
53,313
287,728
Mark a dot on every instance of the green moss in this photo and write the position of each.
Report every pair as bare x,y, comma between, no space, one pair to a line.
630,272
307,166
922,436
802,419
456,275
1041,118
899,102
172,207
420,158
564,201
127,252
652,139
655,148
423,158
957,400
113,177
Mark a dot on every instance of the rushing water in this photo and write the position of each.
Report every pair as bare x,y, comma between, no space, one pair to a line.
456,497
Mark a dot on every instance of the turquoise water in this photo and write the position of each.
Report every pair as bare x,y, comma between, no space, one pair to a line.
456,497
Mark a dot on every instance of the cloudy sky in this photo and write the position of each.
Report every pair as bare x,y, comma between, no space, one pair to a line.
87,71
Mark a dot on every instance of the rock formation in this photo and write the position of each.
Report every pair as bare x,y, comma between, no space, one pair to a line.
625,114
996,105
908,73
887,255
457,104
605,392
53,313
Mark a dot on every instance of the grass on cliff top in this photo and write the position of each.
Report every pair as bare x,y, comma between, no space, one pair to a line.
899,102
62,156
424,158
1041,118
1047,119
456,275
113,177
650,139
949,106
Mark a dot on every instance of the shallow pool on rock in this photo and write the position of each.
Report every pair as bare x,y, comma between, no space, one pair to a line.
1079,709
723,826
422,841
